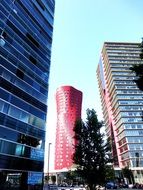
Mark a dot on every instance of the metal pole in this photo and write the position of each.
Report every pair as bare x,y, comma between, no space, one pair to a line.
48,159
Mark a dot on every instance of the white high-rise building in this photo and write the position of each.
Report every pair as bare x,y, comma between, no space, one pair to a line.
122,104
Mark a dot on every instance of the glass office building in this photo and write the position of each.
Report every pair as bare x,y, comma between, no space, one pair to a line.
122,104
26,28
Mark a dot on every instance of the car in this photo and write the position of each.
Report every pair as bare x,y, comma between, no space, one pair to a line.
131,186
125,185
111,185
99,187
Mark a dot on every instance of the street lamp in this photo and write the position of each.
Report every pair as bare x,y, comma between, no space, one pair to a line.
48,159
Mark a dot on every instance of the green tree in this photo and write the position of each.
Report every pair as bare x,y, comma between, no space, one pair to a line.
109,173
71,177
138,70
91,151
46,178
127,173
53,178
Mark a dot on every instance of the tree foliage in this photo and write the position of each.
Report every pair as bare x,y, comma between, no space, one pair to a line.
138,70
91,151
71,177
53,179
127,173
109,173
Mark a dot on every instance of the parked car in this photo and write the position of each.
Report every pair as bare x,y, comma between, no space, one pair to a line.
131,186
111,185
125,185
99,187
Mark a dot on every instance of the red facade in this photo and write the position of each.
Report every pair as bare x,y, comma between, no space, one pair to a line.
69,101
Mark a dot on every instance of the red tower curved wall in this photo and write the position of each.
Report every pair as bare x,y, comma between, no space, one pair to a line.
69,102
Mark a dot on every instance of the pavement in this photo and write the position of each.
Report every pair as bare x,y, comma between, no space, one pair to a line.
71,188
55,187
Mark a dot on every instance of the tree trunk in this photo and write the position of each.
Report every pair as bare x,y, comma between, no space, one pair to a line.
91,186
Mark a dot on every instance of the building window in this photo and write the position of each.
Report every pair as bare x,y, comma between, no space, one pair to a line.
20,74
32,40
33,60
41,4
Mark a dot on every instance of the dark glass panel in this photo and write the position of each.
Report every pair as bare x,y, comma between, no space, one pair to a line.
33,60
20,150
29,80
41,4
4,34
21,127
21,104
15,136
31,141
8,134
32,40
20,74
16,163
18,92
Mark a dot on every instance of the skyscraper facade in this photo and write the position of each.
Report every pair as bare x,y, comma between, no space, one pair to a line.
69,102
25,38
122,104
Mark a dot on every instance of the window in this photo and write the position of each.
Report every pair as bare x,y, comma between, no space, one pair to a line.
41,4
33,60
20,74
4,34
32,40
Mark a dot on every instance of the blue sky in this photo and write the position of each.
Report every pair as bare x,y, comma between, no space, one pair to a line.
80,29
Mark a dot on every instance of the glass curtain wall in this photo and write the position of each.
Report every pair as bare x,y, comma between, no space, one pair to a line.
26,29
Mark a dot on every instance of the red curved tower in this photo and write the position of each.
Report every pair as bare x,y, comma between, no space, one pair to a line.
69,102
